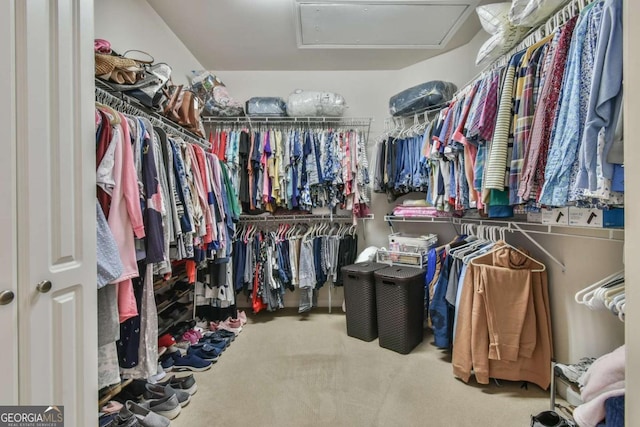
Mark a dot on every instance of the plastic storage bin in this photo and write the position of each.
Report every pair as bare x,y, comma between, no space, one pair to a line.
360,299
400,307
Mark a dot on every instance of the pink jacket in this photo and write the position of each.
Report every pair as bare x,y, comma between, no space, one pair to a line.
125,215
125,218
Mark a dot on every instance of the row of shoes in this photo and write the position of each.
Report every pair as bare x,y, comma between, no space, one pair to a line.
197,348
155,406
155,402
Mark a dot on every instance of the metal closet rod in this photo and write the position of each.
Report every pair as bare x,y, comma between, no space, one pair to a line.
513,226
351,121
124,106
294,218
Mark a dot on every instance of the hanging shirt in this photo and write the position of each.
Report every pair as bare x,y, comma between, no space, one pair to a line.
569,123
536,155
526,109
605,97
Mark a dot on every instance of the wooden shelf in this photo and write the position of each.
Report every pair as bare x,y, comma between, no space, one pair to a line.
162,284
166,304
187,316
112,391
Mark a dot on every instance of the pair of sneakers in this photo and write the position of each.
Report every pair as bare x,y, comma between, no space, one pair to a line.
189,362
134,415
192,336
149,414
230,324
186,383
154,392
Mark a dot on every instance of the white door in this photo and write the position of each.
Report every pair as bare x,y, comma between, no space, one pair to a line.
8,256
56,207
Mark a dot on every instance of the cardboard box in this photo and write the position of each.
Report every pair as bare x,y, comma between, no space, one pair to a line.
596,218
555,216
534,217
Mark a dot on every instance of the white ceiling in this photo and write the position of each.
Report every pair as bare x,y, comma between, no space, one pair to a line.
261,35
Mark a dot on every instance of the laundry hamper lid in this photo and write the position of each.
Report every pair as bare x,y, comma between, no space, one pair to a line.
363,267
400,273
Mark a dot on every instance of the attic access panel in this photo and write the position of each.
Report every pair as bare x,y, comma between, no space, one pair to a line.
377,24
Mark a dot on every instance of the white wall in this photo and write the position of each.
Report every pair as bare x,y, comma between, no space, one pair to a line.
457,66
133,24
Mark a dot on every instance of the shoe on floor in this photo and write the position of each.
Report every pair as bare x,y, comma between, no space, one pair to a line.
233,323
159,375
219,345
168,406
186,383
218,336
243,317
190,362
167,362
145,417
112,407
202,324
206,352
166,340
124,419
105,420
158,391
222,326
182,345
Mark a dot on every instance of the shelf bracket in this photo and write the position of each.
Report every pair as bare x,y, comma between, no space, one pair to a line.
538,245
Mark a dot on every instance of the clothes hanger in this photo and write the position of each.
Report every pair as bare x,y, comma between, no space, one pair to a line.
581,296
612,298
468,250
506,245
305,236
114,117
596,300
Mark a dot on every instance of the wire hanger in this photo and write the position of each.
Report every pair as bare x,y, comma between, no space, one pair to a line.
583,293
506,245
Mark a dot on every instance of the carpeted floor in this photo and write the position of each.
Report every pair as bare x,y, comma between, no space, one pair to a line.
288,370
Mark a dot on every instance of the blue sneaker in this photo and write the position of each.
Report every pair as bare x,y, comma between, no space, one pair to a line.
167,362
220,345
221,334
216,340
218,348
209,353
190,362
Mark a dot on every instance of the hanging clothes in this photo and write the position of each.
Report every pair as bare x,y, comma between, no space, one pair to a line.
298,168
504,284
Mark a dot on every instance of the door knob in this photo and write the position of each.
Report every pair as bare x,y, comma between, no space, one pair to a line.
6,297
44,286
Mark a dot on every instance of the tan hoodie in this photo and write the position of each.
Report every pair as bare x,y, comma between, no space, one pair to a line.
501,278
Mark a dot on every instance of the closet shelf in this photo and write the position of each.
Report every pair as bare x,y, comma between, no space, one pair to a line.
300,218
248,120
112,391
187,316
160,285
524,228
165,305
615,234
105,94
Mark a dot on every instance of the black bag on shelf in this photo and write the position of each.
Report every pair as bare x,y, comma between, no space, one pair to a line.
421,97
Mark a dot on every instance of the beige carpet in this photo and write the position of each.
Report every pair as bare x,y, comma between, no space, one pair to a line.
288,370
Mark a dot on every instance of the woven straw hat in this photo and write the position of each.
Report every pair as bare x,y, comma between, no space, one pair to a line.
105,64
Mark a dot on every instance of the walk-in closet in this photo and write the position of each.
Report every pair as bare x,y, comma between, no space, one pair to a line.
319,213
